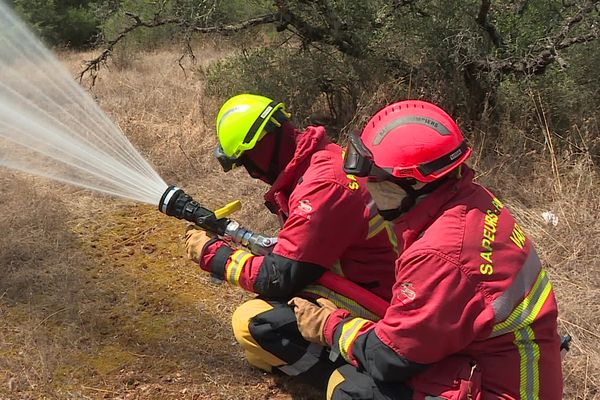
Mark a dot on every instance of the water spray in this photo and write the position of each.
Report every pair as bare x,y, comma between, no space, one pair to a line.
51,127
176,203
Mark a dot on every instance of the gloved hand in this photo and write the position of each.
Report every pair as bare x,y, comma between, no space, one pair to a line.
195,239
312,318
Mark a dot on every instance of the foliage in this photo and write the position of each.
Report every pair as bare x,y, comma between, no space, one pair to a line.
492,65
337,61
192,12
315,86
76,23
61,22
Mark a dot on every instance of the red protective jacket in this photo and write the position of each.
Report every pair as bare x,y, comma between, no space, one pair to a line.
330,223
471,302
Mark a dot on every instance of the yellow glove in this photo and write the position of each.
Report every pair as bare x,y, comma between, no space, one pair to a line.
312,318
195,239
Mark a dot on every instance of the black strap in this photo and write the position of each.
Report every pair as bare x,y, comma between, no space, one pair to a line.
274,166
442,162
217,265
279,116
261,118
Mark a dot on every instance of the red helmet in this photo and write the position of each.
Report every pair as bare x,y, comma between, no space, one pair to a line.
408,139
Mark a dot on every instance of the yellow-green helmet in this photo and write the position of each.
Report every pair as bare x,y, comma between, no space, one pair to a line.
242,121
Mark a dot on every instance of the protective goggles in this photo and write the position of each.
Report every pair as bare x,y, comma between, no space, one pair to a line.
227,163
358,161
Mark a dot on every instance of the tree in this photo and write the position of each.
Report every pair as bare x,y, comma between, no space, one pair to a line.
70,23
348,56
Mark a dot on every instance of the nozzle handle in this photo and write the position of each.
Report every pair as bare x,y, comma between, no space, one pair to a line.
228,209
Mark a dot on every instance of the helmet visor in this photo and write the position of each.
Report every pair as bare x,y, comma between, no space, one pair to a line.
358,161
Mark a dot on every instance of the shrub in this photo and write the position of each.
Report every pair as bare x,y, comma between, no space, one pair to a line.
73,24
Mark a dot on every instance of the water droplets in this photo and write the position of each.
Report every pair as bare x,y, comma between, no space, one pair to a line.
51,127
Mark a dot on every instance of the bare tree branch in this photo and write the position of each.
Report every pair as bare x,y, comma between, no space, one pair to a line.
545,54
335,34
483,76
483,19
92,66
187,52
574,20
237,27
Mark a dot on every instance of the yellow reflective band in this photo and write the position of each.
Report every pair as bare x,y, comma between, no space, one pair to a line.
233,264
235,267
376,225
349,331
240,268
529,353
526,312
521,285
392,237
341,301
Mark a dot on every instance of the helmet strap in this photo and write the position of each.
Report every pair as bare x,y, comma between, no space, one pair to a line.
412,197
274,166
266,173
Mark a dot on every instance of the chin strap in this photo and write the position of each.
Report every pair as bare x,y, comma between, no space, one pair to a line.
274,166
412,195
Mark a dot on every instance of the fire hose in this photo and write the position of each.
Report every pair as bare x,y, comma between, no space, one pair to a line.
176,203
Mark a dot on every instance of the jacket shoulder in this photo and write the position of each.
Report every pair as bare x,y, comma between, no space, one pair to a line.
326,164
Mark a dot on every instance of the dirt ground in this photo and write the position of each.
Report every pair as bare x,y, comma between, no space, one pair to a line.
97,299
100,302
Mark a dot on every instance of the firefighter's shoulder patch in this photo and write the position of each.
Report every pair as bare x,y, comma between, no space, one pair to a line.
407,293
304,208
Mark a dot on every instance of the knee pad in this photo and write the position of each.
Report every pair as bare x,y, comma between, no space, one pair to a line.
241,321
269,334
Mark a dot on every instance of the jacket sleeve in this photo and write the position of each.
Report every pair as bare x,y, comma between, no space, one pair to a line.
272,276
322,224
434,309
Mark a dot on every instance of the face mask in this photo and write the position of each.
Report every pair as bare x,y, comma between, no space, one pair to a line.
387,195
261,161
255,172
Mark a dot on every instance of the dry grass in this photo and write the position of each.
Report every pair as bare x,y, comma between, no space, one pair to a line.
98,301
570,190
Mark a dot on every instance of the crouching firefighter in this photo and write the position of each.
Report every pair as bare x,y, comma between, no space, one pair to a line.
473,314
330,223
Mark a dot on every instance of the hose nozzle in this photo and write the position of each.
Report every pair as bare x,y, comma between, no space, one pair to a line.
170,202
176,203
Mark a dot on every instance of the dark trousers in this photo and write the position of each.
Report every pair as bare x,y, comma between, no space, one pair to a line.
348,383
275,330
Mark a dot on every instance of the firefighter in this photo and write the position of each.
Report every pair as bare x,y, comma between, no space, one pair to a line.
473,314
330,223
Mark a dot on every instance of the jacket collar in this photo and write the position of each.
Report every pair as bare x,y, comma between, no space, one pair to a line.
410,225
